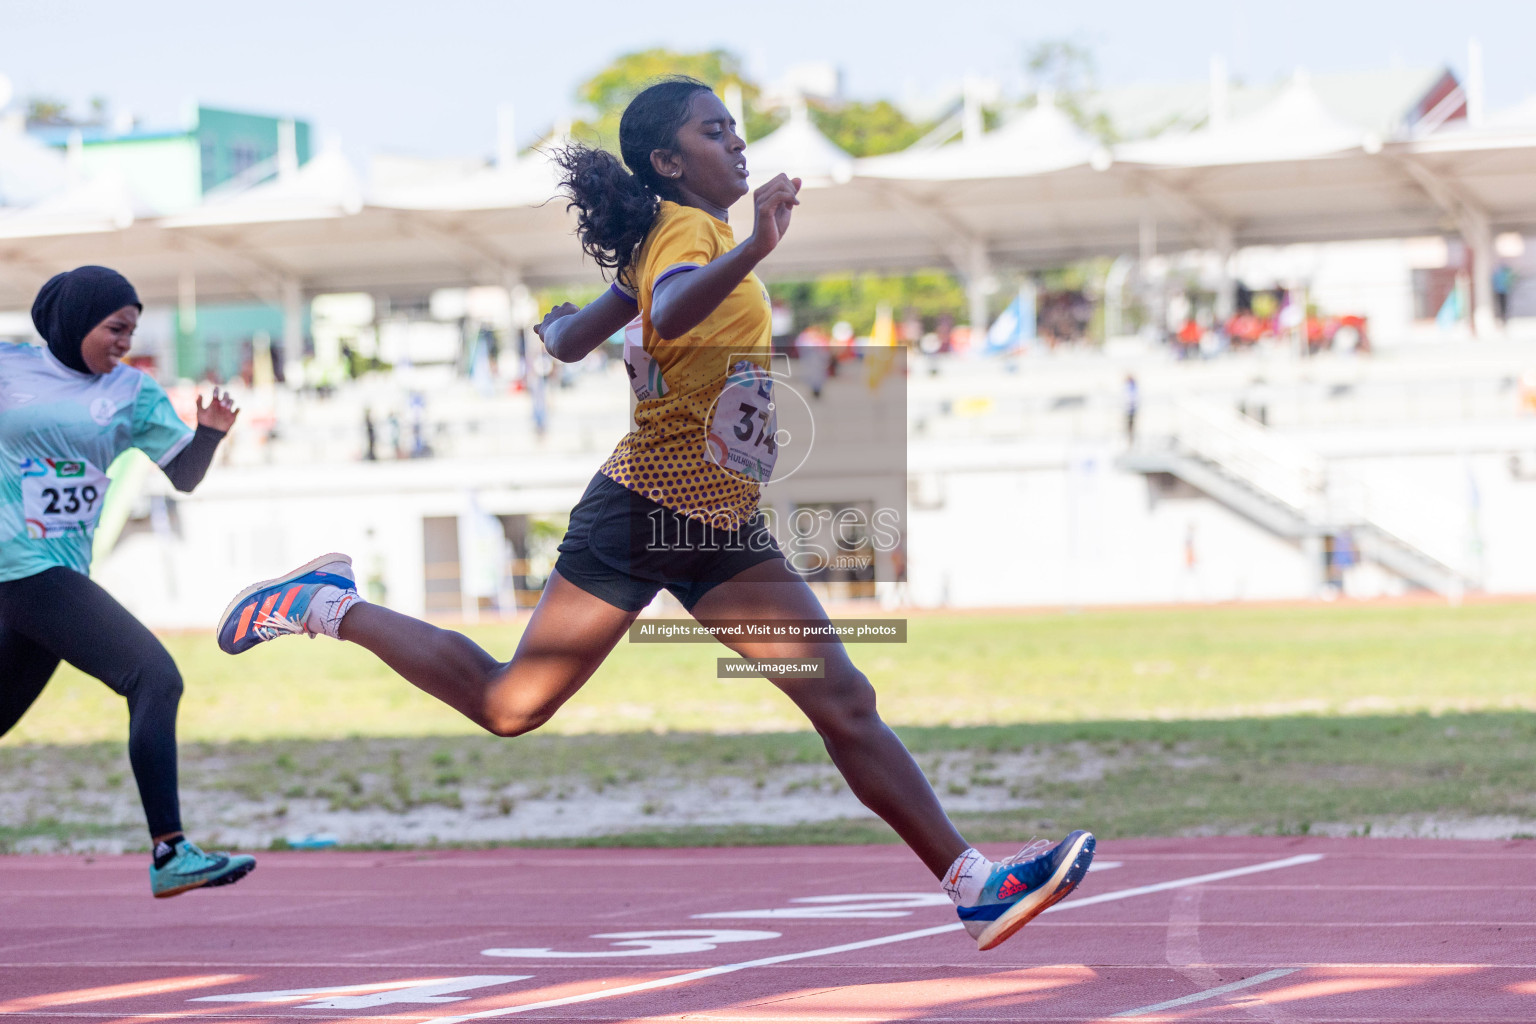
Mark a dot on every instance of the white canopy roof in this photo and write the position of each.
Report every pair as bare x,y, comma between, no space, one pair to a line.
528,180
1294,125
1041,140
799,150
104,203
326,187
1027,194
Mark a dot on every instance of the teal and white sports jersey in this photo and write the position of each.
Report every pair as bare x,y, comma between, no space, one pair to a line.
59,431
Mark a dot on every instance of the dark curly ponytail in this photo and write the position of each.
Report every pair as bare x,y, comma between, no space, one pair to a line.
616,208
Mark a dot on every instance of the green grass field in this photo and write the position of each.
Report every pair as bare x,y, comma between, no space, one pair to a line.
1195,720
1201,663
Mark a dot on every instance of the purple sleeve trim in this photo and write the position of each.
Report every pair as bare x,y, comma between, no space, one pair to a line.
673,271
621,293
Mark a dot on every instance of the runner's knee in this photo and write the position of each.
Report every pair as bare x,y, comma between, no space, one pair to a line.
154,678
845,707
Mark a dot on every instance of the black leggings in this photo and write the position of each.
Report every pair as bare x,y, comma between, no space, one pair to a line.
60,614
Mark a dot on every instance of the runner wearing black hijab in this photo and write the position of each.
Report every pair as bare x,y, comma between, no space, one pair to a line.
66,411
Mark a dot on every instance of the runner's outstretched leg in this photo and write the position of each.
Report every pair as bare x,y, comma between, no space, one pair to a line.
567,638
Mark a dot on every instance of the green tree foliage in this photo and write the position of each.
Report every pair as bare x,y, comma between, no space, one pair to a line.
52,112
867,129
45,110
609,91
1068,72
930,294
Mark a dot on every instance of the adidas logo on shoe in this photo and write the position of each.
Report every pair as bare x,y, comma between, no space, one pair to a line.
1011,887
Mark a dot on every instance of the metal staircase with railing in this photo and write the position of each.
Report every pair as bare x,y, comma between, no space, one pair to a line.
1294,492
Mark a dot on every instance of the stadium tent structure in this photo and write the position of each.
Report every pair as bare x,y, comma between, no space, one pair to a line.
523,181
962,204
503,224
1293,172
97,205
798,149
240,231
326,187
1482,179
1040,140
1294,125
1034,193
316,230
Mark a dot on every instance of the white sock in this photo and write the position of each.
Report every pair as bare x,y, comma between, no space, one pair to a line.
329,606
965,878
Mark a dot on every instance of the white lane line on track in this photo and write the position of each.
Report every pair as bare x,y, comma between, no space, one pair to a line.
1210,993
921,933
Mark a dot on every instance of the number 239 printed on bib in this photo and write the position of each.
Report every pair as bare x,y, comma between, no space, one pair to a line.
743,431
61,496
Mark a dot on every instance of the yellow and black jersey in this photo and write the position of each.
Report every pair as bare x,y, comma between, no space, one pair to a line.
686,452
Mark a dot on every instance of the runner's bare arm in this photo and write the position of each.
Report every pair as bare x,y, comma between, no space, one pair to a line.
682,301
570,332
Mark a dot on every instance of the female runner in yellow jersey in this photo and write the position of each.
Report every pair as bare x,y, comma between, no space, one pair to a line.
661,227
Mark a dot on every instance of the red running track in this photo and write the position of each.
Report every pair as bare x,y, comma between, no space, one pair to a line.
1209,930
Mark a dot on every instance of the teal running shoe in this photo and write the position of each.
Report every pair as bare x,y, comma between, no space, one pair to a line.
1020,888
280,607
191,868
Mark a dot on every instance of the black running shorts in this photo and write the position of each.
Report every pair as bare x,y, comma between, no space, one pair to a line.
623,547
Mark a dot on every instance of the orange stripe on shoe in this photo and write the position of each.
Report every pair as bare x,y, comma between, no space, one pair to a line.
245,619
293,592
266,607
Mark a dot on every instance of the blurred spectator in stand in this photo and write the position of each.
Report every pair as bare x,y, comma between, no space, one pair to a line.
1132,405
1244,329
1342,555
396,435
945,329
1213,339
275,353
538,392
1191,587
929,346
1290,324
369,437
1188,339
782,318
1361,336
814,352
417,404
248,362
842,346
520,350
1503,281
491,346
536,380
910,329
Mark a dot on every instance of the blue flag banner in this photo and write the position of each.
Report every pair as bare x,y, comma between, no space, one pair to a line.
1015,327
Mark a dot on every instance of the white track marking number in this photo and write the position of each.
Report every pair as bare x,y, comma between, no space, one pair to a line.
358,997
861,905
668,943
